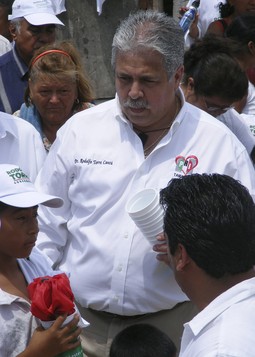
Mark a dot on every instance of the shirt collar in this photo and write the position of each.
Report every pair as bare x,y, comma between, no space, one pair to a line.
180,116
8,299
23,69
119,114
237,293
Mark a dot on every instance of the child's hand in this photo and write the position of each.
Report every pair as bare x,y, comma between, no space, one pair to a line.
55,340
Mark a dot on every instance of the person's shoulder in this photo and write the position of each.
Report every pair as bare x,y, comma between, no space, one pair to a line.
200,116
93,113
230,114
5,45
14,124
241,314
214,126
4,40
251,91
95,119
102,105
217,27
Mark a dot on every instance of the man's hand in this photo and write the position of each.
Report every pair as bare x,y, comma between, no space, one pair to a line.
161,248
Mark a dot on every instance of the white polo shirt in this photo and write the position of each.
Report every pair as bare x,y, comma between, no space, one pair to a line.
95,164
20,144
249,107
240,127
225,327
250,122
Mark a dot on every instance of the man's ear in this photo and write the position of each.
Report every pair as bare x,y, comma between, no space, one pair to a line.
189,91
181,257
190,85
178,76
13,31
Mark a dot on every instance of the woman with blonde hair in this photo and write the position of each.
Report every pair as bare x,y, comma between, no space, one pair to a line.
58,87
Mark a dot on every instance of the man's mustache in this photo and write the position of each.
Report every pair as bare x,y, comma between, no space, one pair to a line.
135,104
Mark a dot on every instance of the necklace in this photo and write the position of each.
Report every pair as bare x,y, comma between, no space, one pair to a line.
143,135
148,149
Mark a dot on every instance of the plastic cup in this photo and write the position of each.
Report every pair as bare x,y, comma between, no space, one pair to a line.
157,227
142,203
145,210
151,220
151,237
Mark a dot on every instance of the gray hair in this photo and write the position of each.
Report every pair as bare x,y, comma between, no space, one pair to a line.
16,23
150,30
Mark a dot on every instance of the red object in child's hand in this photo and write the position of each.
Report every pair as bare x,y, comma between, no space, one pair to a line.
51,296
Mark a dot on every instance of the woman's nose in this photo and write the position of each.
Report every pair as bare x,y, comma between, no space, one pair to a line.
54,98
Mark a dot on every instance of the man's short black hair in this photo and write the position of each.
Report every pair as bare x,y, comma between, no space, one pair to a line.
213,217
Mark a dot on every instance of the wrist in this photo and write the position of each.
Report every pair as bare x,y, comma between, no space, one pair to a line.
194,32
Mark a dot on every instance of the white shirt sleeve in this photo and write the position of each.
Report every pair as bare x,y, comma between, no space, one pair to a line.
56,228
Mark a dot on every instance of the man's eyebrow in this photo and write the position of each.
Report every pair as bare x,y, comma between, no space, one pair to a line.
18,209
32,27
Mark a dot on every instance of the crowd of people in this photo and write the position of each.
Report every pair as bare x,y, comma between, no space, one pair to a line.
182,122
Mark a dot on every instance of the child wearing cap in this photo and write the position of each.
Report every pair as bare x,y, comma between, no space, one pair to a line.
20,263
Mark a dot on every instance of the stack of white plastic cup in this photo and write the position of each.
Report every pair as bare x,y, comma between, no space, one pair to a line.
147,213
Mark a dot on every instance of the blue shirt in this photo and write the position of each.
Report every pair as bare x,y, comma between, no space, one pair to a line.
31,115
13,81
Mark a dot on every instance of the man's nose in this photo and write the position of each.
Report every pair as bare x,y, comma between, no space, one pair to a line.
33,226
135,91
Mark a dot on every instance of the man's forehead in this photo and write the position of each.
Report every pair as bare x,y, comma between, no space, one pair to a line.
52,26
29,26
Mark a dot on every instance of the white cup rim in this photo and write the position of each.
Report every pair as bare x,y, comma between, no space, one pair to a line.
153,212
151,202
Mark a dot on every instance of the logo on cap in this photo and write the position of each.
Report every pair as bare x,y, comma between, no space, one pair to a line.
18,175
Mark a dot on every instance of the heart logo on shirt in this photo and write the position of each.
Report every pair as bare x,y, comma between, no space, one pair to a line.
187,164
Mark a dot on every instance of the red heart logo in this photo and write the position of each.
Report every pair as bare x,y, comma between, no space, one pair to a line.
186,164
